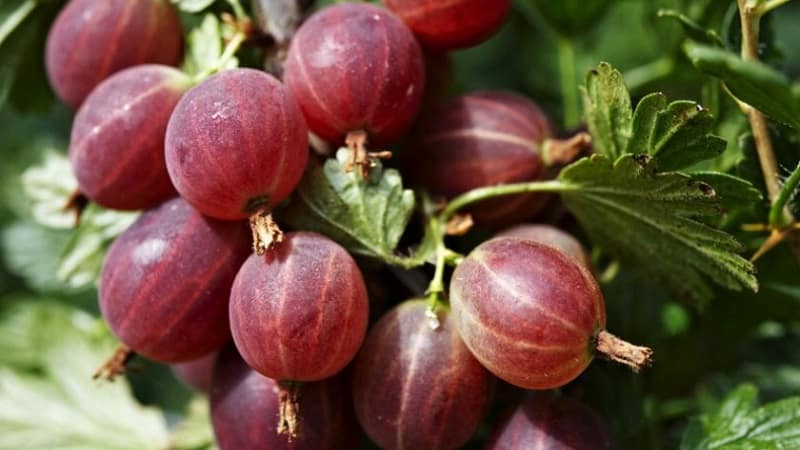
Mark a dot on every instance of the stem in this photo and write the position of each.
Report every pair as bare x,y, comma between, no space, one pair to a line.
776,213
289,417
238,11
115,365
615,349
12,21
481,194
569,86
230,50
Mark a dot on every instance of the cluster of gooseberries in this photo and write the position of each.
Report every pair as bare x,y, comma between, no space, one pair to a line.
277,333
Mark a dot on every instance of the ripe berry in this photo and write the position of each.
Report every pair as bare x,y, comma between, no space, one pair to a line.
481,139
549,235
245,411
117,141
356,67
451,25
418,388
92,39
299,313
197,372
236,144
552,423
532,315
165,282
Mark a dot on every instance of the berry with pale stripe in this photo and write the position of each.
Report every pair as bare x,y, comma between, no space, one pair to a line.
481,139
236,144
245,411
117,141
299,312
451,24
356,67
547,422
165,282
92,39
418,388
533,315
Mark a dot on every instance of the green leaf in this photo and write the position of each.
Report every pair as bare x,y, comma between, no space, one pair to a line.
677,134
368,217
60,407
733,192
572,17
31,252
192,6
754,83
651,220
607,106
693,29
738,425
82,256
204,47
194,432
49,187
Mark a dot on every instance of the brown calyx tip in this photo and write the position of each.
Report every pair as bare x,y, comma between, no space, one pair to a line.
560,152
77,203
615,349
115,365
459,225
289,419
359,156
266,232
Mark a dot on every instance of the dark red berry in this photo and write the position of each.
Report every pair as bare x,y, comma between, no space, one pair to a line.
356,67
300,311
165,282
547,422
245,411
418,388
549,235
532,315
197,372
92,39
117,141
453,24
236,144
477,140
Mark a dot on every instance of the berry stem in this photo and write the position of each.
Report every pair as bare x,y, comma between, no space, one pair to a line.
289,419
560,152
266,231
481,194
115,365
77,203
623,352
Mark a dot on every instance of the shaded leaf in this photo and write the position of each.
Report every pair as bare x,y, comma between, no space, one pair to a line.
652,221
572,17
367,217
31,252
48,187
754,83
733,192
692,29
194,432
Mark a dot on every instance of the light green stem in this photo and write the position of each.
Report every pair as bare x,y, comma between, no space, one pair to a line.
777,218
238,11
569,85
230,50
481,194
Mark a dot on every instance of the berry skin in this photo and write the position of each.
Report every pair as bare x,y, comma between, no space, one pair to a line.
481,139
532,315
117,141
165,282
416,388
92,39
299,313
245,411
356,67
453,24
236,144
551,423
197,372
549,235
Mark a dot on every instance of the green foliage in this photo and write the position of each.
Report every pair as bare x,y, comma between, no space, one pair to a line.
204,46
754,83
737,424
650,219
58,406
192,6
367,217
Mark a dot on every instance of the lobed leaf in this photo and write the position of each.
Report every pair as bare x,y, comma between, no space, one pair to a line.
652,220
607,106
367,217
